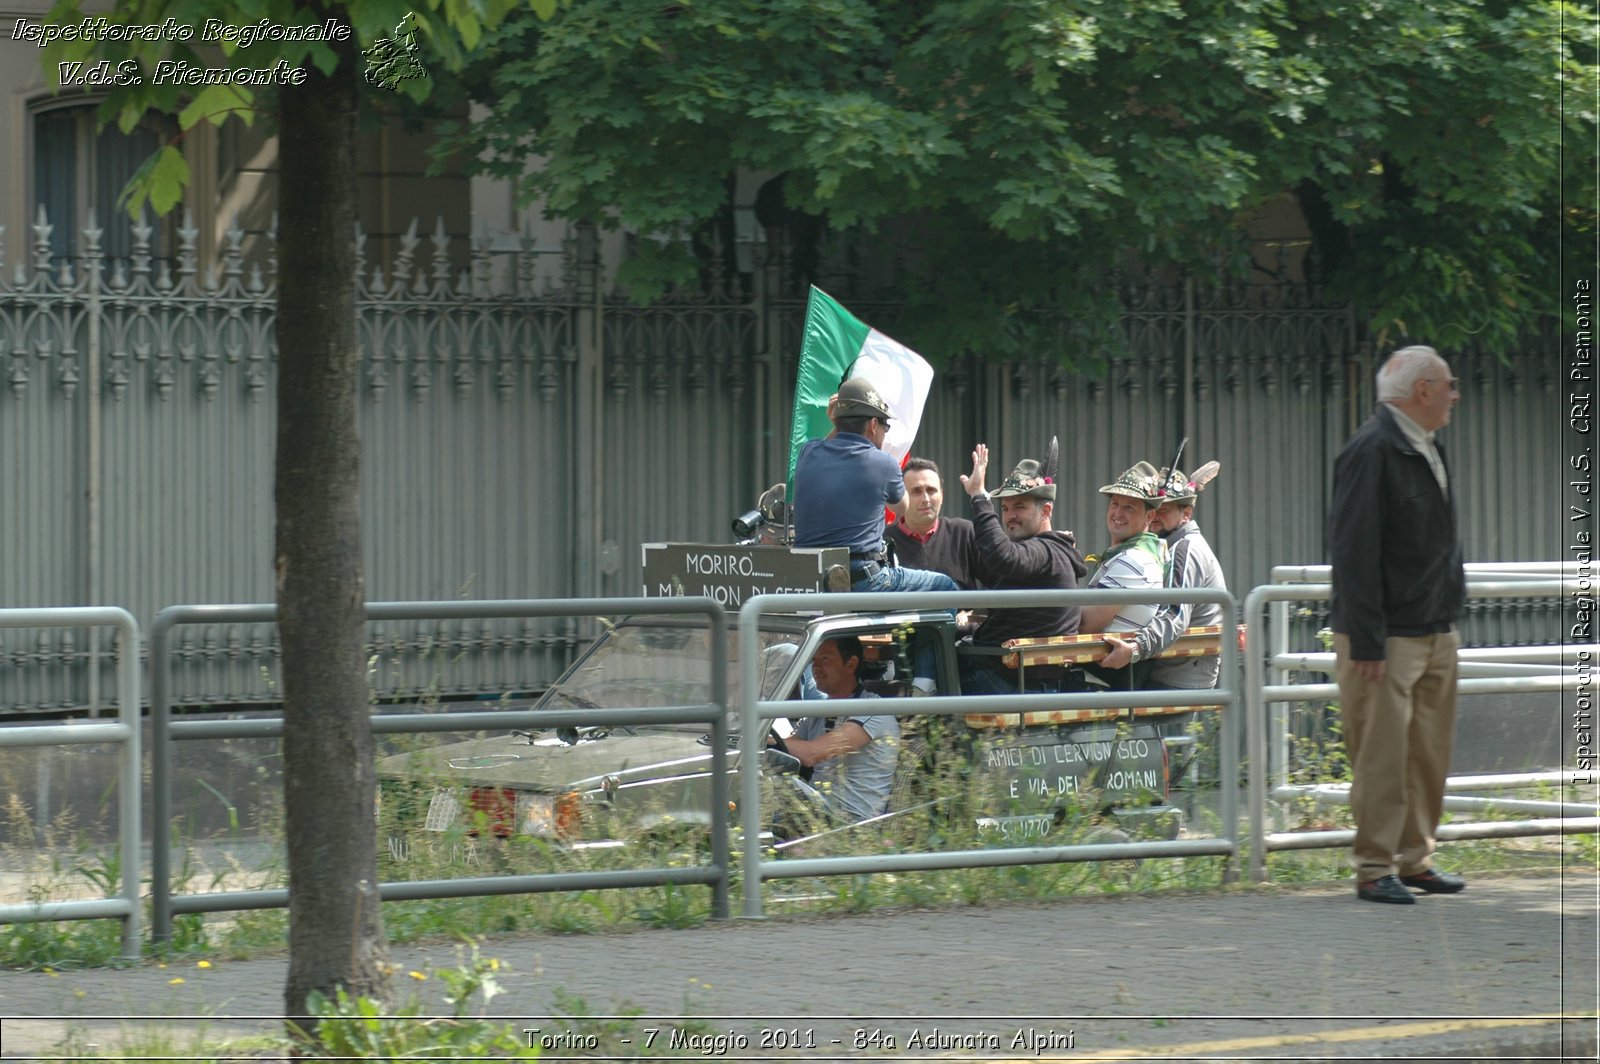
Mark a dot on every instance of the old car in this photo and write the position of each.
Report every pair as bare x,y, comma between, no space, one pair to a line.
1021,777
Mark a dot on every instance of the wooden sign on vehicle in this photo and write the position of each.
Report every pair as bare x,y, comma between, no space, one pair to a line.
1031,772
732,573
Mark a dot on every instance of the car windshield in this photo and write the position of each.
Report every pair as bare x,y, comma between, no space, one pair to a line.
663,664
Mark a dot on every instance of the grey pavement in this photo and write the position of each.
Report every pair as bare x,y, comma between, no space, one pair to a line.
1507,970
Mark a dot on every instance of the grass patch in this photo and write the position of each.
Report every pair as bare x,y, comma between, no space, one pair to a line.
64,866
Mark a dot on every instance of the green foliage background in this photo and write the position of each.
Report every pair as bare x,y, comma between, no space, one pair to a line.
1443,154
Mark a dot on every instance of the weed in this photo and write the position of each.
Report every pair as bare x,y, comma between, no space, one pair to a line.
358,1028
677,910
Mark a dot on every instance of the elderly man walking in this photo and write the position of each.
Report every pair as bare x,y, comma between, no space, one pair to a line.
1398,587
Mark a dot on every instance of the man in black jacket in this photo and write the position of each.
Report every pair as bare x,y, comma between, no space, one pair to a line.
1018,550
1398,587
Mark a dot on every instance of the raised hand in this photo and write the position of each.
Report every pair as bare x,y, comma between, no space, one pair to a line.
980,469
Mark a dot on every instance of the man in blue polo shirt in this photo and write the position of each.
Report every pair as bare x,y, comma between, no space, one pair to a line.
841,486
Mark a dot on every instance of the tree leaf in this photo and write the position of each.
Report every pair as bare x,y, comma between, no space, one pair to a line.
216,104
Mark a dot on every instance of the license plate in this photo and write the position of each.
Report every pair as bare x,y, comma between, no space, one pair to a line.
1027,826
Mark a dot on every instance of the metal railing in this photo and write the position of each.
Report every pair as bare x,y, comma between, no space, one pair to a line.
1529,580
130,784
1283,660
1243,707
753,713
165,731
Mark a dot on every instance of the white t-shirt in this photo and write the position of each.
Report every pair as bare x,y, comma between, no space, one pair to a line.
1130,570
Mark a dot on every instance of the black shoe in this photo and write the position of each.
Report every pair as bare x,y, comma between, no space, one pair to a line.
1385,889
1434,881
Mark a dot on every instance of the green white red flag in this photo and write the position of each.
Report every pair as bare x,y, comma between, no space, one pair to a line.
838,346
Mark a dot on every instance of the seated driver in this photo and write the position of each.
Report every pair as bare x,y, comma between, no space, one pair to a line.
851,754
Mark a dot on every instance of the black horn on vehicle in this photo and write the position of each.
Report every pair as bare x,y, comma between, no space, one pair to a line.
746,525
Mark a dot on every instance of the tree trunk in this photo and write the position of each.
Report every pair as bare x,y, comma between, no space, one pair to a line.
336,933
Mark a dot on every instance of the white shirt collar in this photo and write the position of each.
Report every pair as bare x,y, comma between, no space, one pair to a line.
1418,435
1422,440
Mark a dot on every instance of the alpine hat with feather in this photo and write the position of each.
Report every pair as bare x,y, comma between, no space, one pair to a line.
1184,490
1140,481
1033,477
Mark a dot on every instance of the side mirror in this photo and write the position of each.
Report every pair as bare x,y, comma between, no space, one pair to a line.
777,761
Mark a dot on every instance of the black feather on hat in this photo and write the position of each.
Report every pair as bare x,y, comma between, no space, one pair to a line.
1185,489
1032,477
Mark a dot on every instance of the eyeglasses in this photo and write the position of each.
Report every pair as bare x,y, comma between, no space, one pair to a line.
1455,382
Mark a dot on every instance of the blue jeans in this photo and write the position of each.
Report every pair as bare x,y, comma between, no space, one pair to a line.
897,579
980,680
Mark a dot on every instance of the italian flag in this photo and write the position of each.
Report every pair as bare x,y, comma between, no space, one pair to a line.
838,346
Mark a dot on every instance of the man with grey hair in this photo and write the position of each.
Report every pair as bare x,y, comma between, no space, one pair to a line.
1398,587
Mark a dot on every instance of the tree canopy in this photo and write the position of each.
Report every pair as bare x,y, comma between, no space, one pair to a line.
1035,146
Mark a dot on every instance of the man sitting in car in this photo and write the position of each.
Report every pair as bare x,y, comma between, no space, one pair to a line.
1136,559
1019,549
851,753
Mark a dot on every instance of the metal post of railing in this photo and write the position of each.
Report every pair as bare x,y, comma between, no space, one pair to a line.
131,784
719,765
1255,727
1232,712
130,777
752,737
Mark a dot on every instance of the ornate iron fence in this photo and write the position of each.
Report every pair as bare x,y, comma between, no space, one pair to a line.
525,429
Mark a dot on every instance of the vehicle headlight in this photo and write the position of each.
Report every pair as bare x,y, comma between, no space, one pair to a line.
544,815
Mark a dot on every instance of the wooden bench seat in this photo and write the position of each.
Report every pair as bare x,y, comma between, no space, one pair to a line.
1084,649
1089,647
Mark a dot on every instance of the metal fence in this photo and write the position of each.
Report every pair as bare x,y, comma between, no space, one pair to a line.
753,713
1247,698
1269,663
525,428
124,733
165,904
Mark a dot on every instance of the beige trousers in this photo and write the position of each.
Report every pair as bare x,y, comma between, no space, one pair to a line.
1399,732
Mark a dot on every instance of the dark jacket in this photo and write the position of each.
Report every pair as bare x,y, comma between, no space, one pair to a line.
1393,541
1048,560
949,550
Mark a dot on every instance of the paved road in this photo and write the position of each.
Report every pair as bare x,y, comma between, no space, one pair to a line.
1273,972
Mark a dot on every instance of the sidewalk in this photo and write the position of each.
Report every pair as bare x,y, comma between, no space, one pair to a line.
1296,973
